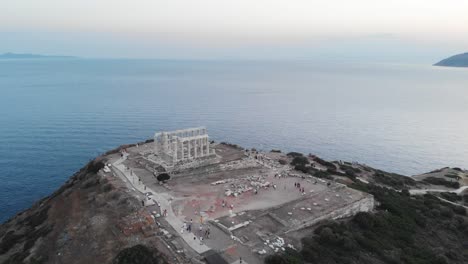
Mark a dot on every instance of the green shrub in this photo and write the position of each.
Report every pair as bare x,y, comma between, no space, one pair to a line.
460,210
36,219
453,197
106,187
294,154
138,254
163,177
115,195
444,182
95,165
350,171
232,145
322,174
301,167
393,180
8,241
300,160
324,163
93,181
290,256
453,176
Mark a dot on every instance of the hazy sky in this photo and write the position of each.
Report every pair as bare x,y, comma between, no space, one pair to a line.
296,29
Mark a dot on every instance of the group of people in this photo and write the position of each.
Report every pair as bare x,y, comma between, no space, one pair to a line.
298,186
202,233
223,204
187,227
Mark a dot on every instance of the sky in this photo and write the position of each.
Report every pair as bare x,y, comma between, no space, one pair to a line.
390,30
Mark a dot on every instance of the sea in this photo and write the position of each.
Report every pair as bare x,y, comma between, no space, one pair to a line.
57,114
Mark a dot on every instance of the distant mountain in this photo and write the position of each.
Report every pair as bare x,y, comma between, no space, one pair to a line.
460,60
10,55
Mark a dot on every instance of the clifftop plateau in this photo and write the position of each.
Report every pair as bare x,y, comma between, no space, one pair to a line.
263,207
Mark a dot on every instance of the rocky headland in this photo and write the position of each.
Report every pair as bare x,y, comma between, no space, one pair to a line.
459,60
263,207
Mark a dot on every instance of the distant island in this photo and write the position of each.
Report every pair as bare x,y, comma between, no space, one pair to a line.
10,55
460,60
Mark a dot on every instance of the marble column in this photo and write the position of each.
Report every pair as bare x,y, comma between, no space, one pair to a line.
174,151
204,146
181,148
189,148
201,146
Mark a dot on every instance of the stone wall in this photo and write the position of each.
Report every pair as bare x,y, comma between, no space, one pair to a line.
194,163
366,204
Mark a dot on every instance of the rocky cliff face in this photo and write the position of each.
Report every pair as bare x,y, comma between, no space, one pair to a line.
79,223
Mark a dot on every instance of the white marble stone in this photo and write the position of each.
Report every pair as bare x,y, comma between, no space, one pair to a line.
182,145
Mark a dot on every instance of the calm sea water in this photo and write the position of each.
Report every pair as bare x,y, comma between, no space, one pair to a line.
55,115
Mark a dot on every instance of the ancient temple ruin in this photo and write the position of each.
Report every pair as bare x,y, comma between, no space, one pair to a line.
182,145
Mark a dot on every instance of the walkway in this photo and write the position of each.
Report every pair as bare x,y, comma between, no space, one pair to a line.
164,200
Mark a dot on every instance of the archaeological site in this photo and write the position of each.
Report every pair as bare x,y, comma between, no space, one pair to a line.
224,204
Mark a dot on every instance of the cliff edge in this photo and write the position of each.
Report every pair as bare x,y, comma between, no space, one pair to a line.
79,223
263,207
